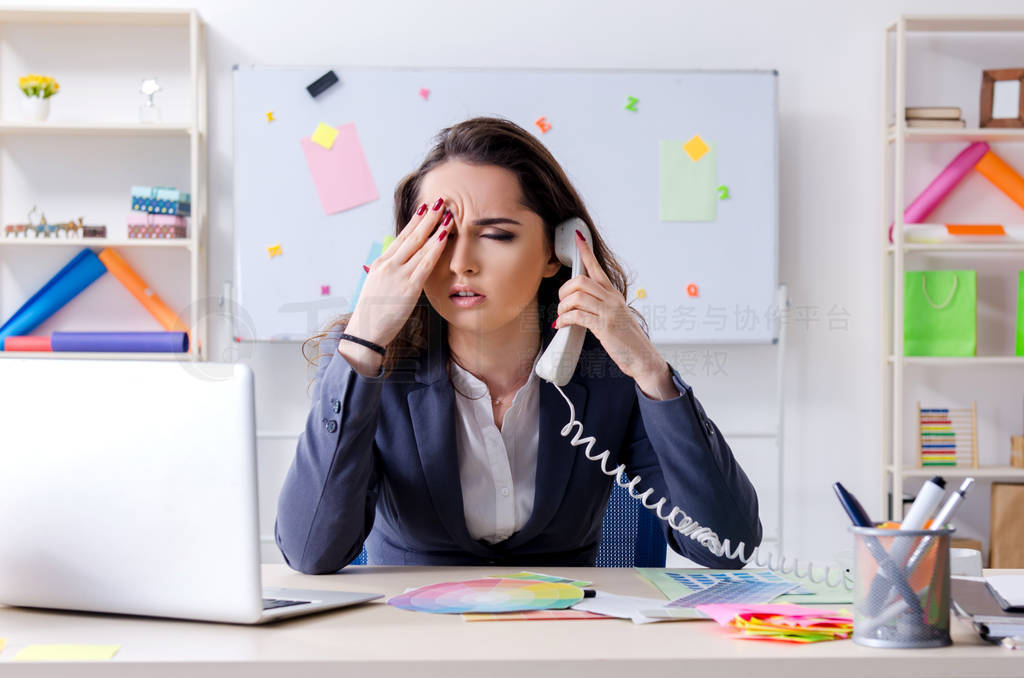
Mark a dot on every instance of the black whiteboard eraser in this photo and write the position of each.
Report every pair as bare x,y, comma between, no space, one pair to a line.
322,83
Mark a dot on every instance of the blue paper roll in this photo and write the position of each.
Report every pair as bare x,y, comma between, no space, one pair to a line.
76,275
121,342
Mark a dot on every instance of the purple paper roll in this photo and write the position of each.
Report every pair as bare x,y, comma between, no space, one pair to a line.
121,342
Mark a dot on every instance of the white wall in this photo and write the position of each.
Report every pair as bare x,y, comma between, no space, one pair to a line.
829,56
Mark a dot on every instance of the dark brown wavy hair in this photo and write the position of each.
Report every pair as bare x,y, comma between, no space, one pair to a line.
546,191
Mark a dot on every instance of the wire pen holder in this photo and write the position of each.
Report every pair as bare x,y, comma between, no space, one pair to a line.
901,587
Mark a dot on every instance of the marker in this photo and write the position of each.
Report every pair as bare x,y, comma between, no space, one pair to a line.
920,511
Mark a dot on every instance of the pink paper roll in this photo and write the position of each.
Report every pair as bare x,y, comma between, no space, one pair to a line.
941,185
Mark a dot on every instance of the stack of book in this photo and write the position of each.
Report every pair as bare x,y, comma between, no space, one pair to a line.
934,116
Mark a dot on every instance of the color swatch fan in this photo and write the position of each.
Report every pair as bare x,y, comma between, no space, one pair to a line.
488,595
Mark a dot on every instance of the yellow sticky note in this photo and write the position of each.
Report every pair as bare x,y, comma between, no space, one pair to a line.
388,239
641,293
66,653
696,148
270,116
274,250
324,135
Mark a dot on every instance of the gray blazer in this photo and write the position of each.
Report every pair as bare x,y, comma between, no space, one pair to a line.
377,464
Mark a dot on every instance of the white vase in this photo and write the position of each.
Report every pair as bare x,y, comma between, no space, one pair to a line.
35,108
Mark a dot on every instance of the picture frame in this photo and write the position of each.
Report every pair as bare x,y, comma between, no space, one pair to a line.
1002,98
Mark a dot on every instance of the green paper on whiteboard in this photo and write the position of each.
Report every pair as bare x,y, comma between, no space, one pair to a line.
1020,313
687,185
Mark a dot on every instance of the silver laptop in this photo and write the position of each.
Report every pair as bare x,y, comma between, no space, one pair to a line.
130,487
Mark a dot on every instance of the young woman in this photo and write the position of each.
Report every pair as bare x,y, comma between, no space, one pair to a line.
432,441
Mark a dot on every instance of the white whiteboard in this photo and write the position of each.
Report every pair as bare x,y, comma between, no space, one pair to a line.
610,153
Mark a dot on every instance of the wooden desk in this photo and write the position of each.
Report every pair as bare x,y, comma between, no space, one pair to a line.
376,640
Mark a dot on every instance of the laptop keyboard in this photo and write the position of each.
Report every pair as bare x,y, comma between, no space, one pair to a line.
271,603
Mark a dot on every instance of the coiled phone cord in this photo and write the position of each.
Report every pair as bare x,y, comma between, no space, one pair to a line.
682,523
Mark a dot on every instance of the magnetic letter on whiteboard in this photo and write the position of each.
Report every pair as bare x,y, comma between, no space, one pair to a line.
341,175
687,187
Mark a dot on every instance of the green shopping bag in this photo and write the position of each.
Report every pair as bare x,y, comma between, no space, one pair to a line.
1020,314
940,315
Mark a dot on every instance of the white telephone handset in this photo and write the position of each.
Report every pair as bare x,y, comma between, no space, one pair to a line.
563,352
557,366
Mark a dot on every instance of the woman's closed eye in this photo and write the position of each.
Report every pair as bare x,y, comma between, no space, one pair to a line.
499,235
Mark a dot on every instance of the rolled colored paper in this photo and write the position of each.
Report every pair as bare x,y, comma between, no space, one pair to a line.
29,343
993,168
975,229
121,342
167,318
941,185
78,274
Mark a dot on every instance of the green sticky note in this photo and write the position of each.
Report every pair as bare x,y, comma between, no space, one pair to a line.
66,653
386,243
688,175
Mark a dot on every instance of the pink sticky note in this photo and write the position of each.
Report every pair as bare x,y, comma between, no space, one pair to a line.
723,613
325,290
424,92
341,175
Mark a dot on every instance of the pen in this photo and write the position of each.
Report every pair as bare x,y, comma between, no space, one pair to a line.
853,508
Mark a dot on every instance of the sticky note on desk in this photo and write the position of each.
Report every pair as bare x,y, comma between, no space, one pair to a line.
687,176
324,135
66,653
341,175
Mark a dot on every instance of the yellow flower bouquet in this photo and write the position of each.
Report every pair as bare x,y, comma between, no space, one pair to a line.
40,86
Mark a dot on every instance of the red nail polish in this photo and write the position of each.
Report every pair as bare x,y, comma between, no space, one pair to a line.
421,210
554,321
437,205
443,235
447,219
366,268
580,235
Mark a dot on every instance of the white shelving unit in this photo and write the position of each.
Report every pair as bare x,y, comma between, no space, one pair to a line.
177,43
899,461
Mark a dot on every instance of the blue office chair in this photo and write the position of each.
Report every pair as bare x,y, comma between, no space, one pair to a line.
631,536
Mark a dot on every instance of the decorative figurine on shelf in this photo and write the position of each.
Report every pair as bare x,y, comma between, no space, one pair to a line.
71,229
38,89
149,111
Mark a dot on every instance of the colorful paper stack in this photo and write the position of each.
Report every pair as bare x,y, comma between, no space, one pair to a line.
782,622
161,200
947,436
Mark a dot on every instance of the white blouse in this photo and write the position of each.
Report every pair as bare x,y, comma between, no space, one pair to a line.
497,468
